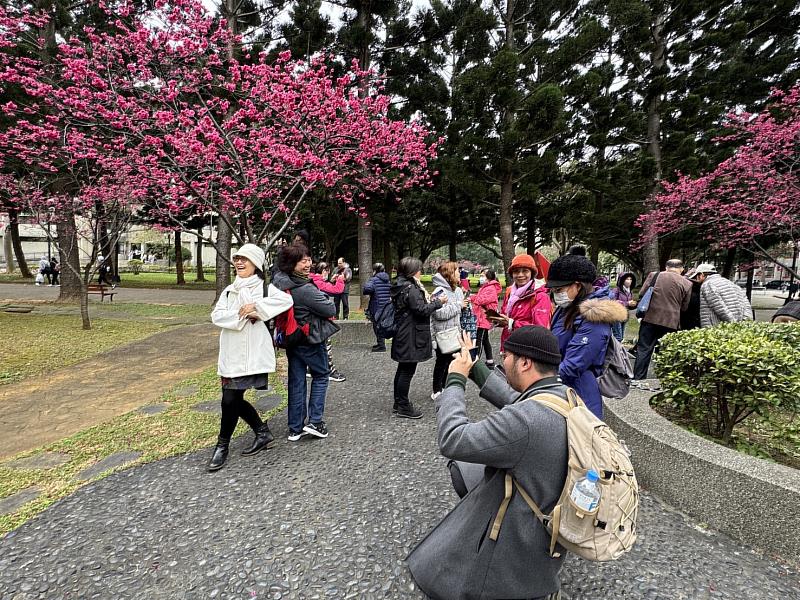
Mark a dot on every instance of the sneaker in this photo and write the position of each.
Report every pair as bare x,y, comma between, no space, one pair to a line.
296,435
435,395
490,364
407,412
317,429
336,376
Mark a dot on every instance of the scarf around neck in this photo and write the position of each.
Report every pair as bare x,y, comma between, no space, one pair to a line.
246,289
516,294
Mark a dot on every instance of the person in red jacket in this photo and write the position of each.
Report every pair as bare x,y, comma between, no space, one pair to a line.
487,298
527,300
319,276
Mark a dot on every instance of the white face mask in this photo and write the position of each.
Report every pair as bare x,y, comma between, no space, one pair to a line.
482,280
561,299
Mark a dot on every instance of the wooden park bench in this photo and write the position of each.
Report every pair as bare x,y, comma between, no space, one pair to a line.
103,290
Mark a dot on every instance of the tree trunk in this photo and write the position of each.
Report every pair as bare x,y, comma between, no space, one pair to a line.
364,256
530,241
387,254
199,258
13,237
506,226
8,250
730,261
658,60
223,265
181,280
451,248
85,323
71,289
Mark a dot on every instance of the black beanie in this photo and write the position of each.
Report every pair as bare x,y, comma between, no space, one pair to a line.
535,342
569,269
792,309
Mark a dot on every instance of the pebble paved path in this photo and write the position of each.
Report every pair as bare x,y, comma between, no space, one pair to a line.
327,518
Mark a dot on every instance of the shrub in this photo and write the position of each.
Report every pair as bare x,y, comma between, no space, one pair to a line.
135,266
721,375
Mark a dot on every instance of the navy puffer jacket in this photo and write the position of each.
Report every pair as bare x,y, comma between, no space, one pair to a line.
378,289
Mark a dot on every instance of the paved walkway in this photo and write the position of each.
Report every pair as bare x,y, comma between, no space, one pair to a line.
50,407
329,518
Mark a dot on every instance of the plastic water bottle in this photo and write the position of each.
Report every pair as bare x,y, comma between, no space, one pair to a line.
586,493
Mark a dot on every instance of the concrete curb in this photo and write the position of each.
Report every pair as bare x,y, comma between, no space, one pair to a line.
354,332
752,500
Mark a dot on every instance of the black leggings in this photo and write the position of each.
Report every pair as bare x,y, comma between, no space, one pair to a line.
440,370
402,382
483,344
234,406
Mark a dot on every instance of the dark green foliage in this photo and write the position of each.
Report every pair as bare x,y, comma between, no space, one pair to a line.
721,375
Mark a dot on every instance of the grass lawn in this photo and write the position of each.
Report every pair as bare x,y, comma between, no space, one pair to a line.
142,280
43,342
177,430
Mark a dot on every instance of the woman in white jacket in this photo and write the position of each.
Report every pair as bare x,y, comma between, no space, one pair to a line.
246,354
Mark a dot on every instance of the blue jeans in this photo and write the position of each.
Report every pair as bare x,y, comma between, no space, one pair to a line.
618,330
316,359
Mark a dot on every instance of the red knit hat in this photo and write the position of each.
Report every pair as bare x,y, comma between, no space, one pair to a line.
523,261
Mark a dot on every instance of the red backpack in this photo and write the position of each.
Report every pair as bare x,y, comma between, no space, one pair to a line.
287,332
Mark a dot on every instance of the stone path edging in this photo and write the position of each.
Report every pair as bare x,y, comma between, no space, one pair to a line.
753,500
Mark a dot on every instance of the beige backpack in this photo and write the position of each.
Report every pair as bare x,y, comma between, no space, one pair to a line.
609,530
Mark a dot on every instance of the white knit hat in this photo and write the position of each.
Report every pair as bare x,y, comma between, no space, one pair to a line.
252,253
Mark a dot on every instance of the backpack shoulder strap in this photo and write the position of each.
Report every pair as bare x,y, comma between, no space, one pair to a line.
561,405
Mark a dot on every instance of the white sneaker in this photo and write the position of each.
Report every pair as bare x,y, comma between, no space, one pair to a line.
435,395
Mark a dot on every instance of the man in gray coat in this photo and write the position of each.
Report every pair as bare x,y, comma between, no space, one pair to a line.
721,300
459,559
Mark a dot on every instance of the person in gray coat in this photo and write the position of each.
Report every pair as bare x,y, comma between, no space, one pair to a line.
447,285
458,559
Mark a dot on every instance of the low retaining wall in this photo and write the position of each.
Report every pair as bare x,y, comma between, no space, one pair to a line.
750,499
354,333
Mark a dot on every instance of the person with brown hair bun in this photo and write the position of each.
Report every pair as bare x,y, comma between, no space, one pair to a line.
448,285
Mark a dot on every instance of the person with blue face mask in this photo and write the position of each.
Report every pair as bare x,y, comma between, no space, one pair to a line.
582,323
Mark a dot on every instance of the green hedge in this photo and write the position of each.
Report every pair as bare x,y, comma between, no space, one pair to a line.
721,375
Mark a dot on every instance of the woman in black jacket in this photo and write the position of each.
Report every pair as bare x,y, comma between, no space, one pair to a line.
412,342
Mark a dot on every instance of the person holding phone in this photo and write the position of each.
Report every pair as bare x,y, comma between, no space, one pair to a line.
485,303
527,300
446,318
412,342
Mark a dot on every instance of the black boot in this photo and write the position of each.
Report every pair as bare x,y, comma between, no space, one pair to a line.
263,439
407,411
220,454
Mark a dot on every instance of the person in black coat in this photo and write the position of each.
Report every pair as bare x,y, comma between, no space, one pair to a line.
412,342
378,288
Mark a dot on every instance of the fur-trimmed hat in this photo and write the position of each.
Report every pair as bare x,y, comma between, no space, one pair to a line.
252,253
570,268
535,342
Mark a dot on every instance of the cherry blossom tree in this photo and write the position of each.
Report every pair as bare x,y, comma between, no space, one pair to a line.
752,195
156,109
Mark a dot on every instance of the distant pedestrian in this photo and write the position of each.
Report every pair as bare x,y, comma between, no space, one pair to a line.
412,343
487,298
623,294
378,288
527,300
44,269
582,323
690,318
312,307
104,274
55,270
246,355
721,300
671,296
448,317
319,275
463,276
343,300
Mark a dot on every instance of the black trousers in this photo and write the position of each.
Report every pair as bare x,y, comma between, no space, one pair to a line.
440,370
483,344
649,334
402,382
342,300
379,341
234,406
